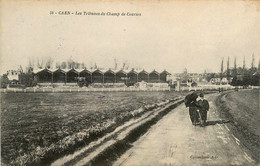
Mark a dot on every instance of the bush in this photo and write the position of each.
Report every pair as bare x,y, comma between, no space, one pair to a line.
4,81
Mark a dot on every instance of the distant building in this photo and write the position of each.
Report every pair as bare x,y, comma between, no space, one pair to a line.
188,79
13,75
219,81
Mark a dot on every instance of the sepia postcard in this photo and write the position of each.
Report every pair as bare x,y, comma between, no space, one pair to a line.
130,83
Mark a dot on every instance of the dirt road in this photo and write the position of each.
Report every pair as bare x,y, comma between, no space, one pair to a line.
174,141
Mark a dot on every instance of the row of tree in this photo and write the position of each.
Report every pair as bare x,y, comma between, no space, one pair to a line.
48,62
241,76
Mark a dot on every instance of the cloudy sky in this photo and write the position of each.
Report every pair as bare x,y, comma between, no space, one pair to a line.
167,35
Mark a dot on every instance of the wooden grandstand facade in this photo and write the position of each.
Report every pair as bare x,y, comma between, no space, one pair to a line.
97,76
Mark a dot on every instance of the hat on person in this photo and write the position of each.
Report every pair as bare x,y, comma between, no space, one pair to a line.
201,95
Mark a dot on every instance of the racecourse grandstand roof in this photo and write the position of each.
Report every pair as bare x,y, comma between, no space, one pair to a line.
120,71
110,71
39,70
101,71
154,72
165,72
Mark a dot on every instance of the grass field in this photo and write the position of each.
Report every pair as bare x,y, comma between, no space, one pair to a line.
245,109
242,108
37,126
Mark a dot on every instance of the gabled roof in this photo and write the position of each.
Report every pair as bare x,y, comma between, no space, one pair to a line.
154,71
40,70
138,70
115,70
98,71
101,71
85,70
72,70
165,72
79,70
132,71
59,70
109,71
53,69
143,71
66,70
121,71
149,70
91,70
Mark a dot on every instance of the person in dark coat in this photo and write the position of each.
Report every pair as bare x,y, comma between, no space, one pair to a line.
203,107
190,101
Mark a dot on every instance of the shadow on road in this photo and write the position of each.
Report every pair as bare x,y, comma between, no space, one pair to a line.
214,122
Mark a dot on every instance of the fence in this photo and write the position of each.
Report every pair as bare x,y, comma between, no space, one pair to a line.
122,88
83,89
207,87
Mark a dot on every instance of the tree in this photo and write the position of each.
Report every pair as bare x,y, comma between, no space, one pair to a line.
39,63
83,65
76,65
234,81
63,65
70,64
115,61
49,62
244,66
239,71
255,80
58,65
259,66
210,76
253,61
235,68
221,69
4,81
27,79
252,71
228,72
31,63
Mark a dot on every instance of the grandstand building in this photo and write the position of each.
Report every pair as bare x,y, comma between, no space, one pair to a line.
98,76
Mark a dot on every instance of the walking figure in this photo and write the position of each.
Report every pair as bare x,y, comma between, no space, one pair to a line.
203,107
190,101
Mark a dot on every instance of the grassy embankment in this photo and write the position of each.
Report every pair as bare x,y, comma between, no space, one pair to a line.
242,109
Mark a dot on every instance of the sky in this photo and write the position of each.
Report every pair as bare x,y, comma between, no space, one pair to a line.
170,35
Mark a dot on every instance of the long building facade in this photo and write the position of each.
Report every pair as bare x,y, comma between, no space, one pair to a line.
97,76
